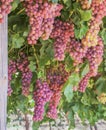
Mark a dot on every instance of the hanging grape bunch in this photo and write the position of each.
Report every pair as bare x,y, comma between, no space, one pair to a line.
77,51
62,32
11,70
56,79
95,57
20,65
23,67
98,12
5,8
41,18
85,4
42,95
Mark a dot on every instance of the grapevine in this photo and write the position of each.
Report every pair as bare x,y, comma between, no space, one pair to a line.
56,53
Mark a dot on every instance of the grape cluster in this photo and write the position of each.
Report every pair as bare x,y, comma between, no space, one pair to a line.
94,56
102,98
98,12
23,66
41,18
41,96
56,79
84,82
5,8
49,91
54,101
11,70
85,4
77,51
62,32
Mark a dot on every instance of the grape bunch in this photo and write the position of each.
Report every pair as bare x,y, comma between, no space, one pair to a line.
11,70
85,4
102,98
56,79
62,32
98,12
95,56
42,95
49,91
23,66
54,101
77,51
41,18
84,82
5,8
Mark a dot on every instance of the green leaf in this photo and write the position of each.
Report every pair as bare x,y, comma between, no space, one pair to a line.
74,79
71,119
32,66
68,87
103,35
104,22
41,73
25,34
100,85
76,6
85,100
67,3
46,53
35,126
17,41
68,92
75,108
15,4
81,31
68,63
54,1
104,114
85,15
84,70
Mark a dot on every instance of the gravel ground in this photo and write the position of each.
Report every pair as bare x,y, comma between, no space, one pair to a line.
101,125
60,125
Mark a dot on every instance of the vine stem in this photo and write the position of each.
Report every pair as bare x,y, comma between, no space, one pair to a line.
10,50
21,11
50,126
22,48
26,122
37,61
